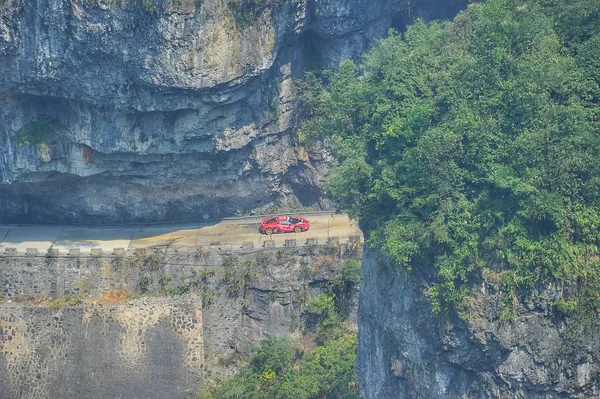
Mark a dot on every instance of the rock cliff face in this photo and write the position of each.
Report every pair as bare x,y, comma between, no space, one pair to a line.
145,110
405,352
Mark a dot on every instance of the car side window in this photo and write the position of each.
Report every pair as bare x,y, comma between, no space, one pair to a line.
271,220
294,220
283,223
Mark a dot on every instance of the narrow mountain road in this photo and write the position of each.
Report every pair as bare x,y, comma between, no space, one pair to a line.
227,232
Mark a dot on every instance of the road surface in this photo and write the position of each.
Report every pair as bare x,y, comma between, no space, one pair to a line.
226,232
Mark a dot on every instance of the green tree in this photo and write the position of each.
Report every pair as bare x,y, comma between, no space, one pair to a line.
276,371
473,144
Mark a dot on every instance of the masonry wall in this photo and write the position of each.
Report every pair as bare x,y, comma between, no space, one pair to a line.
148,325
137,349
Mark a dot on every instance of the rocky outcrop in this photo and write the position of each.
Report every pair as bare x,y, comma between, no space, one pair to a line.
406,352
147,110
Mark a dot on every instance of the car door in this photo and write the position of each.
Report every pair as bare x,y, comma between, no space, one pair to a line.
285,227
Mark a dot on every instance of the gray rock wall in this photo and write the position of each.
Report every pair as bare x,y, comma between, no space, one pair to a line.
406,352
141,349
162,344
168,109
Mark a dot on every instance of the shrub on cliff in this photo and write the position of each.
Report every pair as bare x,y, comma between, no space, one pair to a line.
281,368
473,145
39,132
278,371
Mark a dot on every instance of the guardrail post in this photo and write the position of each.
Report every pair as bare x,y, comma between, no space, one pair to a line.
11,251
290,243
140,251
96,252
54,252
312,241
118,251
31,252
269,244
74,252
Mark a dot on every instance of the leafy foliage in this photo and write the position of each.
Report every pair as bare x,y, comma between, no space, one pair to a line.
66,300
149,6
39,132
277,370
247,12
473,145
322,306
348,277
272,355
238,275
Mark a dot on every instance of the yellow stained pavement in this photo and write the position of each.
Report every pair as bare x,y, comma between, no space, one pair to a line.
227,233
232,232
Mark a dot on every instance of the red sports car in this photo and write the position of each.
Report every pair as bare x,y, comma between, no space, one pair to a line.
284,224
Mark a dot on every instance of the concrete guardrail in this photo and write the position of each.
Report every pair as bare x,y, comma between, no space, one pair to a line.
215,246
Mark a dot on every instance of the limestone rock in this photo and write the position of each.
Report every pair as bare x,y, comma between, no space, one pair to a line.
169,110
406,352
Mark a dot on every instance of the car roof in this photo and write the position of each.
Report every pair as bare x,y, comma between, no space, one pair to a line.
282,217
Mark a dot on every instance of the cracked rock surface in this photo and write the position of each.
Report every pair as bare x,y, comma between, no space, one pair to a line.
406,352
168,110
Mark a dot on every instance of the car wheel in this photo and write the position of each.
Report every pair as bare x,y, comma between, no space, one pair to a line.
269,231
297,229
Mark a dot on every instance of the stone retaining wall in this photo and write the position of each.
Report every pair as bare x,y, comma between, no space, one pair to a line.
87,251
64,336
151,348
